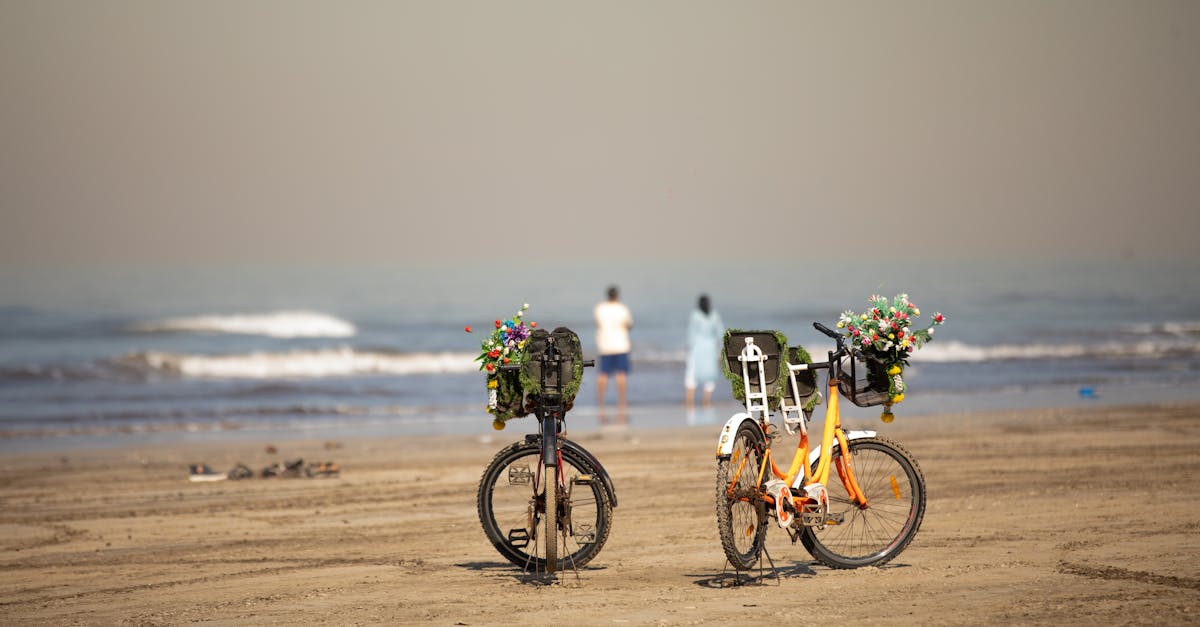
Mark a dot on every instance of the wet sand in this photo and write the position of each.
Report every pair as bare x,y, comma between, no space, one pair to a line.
1035,517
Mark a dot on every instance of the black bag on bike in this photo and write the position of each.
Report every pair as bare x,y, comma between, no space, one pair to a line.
773,345
558,383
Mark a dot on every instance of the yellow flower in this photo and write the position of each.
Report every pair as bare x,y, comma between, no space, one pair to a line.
841,325
897,398
887,416
864,316
894,370
498,424
916,312
492,383
891,336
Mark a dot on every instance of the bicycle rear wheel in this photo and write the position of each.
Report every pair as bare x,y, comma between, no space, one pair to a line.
741,512
895,489
512,508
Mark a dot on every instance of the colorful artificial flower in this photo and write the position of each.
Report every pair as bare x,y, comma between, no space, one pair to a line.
503,346
886,335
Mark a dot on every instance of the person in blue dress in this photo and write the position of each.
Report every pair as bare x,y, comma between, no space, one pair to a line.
705,335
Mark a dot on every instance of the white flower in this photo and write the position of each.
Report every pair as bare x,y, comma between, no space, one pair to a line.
524,306
931,330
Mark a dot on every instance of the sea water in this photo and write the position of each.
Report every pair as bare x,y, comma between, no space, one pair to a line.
120,353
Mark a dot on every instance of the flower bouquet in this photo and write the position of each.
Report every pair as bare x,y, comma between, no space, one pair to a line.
885,335
505,345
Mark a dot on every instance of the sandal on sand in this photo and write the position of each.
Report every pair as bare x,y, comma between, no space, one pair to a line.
241,471
323,469
294,468
202,472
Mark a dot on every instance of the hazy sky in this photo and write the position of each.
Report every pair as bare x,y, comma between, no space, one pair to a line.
291,130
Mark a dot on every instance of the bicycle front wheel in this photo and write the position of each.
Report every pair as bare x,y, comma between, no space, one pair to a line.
741,512
872,535
512,509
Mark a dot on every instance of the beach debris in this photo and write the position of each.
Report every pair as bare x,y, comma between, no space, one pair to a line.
202,472
290,469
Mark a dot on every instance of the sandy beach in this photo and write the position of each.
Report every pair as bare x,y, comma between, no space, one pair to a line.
1035,517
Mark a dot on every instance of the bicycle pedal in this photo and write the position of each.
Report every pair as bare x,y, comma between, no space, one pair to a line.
582,480
518,538
520,475
812,516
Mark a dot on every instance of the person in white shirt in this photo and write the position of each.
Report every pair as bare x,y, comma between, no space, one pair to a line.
613,321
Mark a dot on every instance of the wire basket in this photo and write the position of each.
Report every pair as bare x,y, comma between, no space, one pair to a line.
863,380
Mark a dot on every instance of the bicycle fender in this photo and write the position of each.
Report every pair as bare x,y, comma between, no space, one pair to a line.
605,480
725,442
814,454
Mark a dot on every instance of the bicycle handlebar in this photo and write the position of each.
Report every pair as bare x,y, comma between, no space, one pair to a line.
827,331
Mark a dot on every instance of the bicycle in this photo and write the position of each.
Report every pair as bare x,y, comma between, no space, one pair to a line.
546,485
874,509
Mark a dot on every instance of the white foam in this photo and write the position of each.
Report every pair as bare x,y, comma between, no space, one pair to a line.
953,351
334,362
283,324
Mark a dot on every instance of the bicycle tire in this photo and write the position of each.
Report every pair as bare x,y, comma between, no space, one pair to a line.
741,512
551,517
885,472
513,514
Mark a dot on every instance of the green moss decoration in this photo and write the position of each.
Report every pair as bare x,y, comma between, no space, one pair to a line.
814,399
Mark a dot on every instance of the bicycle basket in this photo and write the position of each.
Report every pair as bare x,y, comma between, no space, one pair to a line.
560,382
773,345
863,380
510,397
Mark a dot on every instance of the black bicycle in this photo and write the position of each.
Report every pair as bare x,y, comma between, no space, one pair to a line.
545,501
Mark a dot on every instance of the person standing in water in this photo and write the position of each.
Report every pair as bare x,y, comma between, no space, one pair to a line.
613,322
705,335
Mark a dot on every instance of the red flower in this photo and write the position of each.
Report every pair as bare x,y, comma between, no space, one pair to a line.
498,323
900,334
533,325
494,354
506,360
467,328
490,367
938,318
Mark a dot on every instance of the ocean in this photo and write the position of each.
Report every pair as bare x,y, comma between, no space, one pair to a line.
110,354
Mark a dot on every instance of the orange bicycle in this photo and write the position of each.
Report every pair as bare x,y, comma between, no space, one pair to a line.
873,507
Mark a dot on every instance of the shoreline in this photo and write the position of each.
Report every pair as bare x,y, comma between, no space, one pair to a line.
433,421
1031,519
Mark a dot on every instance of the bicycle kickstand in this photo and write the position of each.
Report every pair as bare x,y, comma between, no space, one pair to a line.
761,572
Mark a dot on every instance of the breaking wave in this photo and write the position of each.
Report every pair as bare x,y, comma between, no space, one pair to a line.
333,362
281,324
953,351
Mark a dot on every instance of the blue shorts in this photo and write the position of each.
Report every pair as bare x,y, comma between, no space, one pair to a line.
612,364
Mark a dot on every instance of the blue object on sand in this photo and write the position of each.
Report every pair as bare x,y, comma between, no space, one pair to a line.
1087,392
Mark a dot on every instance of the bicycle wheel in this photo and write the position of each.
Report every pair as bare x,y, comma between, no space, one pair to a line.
895,489
741,512
512,509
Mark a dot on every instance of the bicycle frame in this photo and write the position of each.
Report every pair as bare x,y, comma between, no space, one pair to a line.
800,473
